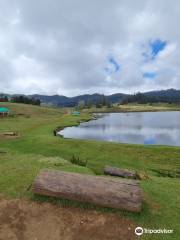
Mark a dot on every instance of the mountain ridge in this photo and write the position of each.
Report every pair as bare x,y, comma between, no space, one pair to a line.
64,101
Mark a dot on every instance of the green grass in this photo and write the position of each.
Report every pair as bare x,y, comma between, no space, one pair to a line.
36,148
132,107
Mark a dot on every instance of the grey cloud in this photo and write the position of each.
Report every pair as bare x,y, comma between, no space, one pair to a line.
62,46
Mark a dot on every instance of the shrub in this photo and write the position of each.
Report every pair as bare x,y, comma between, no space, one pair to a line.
77,161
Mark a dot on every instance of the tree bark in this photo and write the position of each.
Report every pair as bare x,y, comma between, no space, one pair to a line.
113,171
104,191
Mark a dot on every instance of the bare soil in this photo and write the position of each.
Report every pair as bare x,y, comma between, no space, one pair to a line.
27,220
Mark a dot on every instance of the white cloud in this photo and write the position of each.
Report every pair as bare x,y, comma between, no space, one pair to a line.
62,46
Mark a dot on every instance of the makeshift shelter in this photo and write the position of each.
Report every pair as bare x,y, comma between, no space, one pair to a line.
4,111
76,113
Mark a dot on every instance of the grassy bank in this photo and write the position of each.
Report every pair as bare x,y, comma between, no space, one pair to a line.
35,148
154,107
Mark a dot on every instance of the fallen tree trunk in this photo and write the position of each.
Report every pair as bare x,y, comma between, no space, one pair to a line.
10,134
103,191
113,171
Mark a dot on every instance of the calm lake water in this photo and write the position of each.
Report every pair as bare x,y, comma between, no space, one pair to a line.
161,128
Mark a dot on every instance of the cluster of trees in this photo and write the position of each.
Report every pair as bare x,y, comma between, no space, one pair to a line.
138,98
103,101
4,99
26,100
99,103
143,99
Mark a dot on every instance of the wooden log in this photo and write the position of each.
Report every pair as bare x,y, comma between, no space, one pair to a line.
10,134
125,173
104,191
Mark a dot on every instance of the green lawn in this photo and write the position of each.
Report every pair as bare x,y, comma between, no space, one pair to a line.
132,107
35,148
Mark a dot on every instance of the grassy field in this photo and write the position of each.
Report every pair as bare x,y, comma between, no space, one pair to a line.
153,107
35,148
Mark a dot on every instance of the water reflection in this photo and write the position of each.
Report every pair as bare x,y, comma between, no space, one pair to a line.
141,128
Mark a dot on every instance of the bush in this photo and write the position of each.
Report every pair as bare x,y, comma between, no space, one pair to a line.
25,100
77,161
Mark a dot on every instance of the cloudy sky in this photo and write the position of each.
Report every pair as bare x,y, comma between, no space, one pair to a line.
73,47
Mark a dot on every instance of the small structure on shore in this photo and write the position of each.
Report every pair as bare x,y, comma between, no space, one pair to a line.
4,112
76,113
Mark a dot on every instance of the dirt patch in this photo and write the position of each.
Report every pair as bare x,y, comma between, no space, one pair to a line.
7,136
25,220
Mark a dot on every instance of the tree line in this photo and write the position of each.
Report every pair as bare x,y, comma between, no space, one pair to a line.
143,99
21,99
100,102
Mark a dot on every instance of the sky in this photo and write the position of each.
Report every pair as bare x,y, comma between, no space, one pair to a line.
69,47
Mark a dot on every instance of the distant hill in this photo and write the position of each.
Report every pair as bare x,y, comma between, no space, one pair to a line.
56,100
169,95
64,101
166,96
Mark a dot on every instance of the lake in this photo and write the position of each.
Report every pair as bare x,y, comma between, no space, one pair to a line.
162,128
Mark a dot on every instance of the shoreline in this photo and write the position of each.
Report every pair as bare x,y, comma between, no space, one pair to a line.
60,128
95,117
138,110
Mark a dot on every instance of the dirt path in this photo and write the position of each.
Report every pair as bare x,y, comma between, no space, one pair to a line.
25,220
